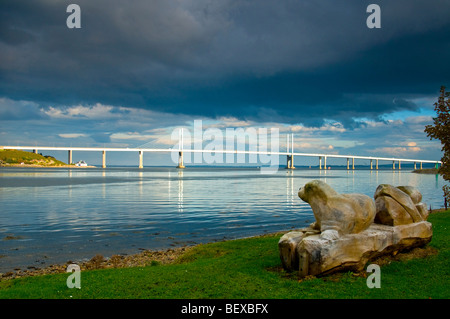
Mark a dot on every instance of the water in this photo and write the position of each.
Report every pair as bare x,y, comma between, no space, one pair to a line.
53,215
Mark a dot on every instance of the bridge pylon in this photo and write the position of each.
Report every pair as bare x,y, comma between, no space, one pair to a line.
290,157
180,160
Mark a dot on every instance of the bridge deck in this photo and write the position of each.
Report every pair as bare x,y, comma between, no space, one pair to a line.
320,155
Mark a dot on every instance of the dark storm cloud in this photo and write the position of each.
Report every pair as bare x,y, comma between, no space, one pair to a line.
19,110
292,61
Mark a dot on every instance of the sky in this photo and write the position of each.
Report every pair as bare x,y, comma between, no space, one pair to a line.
137,71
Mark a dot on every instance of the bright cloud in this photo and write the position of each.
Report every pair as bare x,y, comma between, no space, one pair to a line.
131,136
97,111
118,126
327,127
72,135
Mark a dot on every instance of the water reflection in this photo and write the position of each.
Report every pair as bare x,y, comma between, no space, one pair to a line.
290,197
118,210
180,191
141,183
69,194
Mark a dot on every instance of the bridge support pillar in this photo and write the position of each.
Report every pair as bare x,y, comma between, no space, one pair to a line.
180,160
35,151
399,165
348,163
376,164
290,148
371,164
320,162
325,162
420,165
104,159
415,166
141,159
353,163
290,162
393,164
69,160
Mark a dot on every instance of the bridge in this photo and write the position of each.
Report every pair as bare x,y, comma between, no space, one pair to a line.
289,153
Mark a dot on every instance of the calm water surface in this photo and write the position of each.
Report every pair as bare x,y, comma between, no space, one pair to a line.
53,215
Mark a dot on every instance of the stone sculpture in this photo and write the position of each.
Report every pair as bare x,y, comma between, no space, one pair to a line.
351,229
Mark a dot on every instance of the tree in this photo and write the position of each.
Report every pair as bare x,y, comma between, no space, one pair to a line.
441,131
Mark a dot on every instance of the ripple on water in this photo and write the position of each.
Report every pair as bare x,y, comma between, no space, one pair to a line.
73,215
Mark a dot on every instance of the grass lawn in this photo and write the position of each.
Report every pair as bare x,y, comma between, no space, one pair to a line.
248,269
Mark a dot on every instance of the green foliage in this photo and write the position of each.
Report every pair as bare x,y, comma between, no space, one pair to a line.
17,157
441,130
248,268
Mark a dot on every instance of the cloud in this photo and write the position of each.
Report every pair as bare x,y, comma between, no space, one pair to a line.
82,125
397,151
137,72
130,136
101,137
419,120
72,135
328,127
291,62
97,111
230,122
11,110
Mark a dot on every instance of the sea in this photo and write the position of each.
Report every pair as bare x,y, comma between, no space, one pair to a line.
55,215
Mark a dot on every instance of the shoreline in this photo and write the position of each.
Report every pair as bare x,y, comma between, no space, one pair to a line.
47,166
144,258
434,171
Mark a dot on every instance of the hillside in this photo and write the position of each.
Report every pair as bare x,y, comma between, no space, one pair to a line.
22,158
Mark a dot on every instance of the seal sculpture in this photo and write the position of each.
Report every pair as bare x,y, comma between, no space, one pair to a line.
347,233
337,214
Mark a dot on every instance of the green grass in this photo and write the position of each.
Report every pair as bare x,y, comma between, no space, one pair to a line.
248,268
18,157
